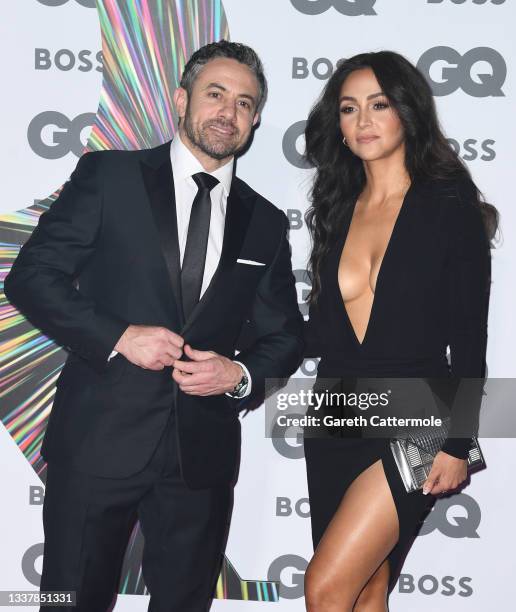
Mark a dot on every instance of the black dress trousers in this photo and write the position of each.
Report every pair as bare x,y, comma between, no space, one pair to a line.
88,520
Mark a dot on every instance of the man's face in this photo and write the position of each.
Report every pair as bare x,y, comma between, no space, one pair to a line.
217,117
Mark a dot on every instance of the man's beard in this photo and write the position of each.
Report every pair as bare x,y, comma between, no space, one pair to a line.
209,143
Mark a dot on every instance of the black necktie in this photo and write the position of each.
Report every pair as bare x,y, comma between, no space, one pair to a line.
192,270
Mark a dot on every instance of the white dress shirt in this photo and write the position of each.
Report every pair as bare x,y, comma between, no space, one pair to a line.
184,165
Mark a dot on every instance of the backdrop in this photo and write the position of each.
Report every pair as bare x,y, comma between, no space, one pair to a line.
80,74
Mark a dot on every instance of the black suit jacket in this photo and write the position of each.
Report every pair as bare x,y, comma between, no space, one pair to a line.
106,255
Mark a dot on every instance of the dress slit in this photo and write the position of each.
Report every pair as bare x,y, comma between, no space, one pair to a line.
333,464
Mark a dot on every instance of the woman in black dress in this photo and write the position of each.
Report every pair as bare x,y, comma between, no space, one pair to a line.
400,268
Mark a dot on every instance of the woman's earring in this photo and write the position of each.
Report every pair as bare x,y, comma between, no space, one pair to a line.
344,142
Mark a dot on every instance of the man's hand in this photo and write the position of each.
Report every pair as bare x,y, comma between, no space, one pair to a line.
446,474
207,374
149,347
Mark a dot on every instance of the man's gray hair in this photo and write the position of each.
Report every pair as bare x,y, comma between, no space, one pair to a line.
231,50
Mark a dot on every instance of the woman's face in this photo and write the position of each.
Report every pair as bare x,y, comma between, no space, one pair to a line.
369,124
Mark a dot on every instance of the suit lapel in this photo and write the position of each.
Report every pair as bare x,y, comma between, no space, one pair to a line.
238,215
159,184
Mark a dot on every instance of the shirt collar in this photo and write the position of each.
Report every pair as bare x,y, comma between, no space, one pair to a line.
184,164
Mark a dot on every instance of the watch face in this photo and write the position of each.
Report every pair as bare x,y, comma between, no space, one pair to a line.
241,386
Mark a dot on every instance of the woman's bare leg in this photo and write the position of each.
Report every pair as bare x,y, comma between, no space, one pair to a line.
373,597
353,549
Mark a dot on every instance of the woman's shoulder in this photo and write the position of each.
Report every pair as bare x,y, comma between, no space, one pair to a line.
452,200
453,205
461,212
459,190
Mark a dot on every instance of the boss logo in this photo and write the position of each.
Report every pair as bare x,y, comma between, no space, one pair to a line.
454,71
289,570
66,60
430,585
36,495
464,1
85,3
295,218
293,144
472,149
462,525
285,507
321,68
351,8
52,135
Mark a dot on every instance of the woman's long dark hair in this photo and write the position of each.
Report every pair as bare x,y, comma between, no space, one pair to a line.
340,175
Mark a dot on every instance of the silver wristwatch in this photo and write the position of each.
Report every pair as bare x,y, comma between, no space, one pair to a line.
240,387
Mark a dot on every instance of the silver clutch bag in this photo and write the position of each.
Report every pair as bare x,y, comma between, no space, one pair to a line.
415,452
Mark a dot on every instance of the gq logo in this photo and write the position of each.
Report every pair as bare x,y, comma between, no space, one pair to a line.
30,562
455,71
302,282
293,586
65,134
351,8
288,441
281,435
457,526
85,3
309,367
293,135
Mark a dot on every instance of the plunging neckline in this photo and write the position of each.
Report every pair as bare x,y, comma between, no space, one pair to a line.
378,285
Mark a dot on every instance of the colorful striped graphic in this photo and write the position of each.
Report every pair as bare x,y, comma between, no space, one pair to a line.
145,46
231,586
29,362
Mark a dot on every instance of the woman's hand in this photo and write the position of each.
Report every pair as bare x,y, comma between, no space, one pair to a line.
446,474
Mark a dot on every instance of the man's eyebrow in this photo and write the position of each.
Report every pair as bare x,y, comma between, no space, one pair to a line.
352,99
222,88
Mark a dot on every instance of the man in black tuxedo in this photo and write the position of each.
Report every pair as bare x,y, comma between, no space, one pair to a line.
146,268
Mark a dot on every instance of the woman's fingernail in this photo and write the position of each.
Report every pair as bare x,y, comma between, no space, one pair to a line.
425,491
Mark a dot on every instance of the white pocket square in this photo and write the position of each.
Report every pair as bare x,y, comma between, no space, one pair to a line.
250,262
